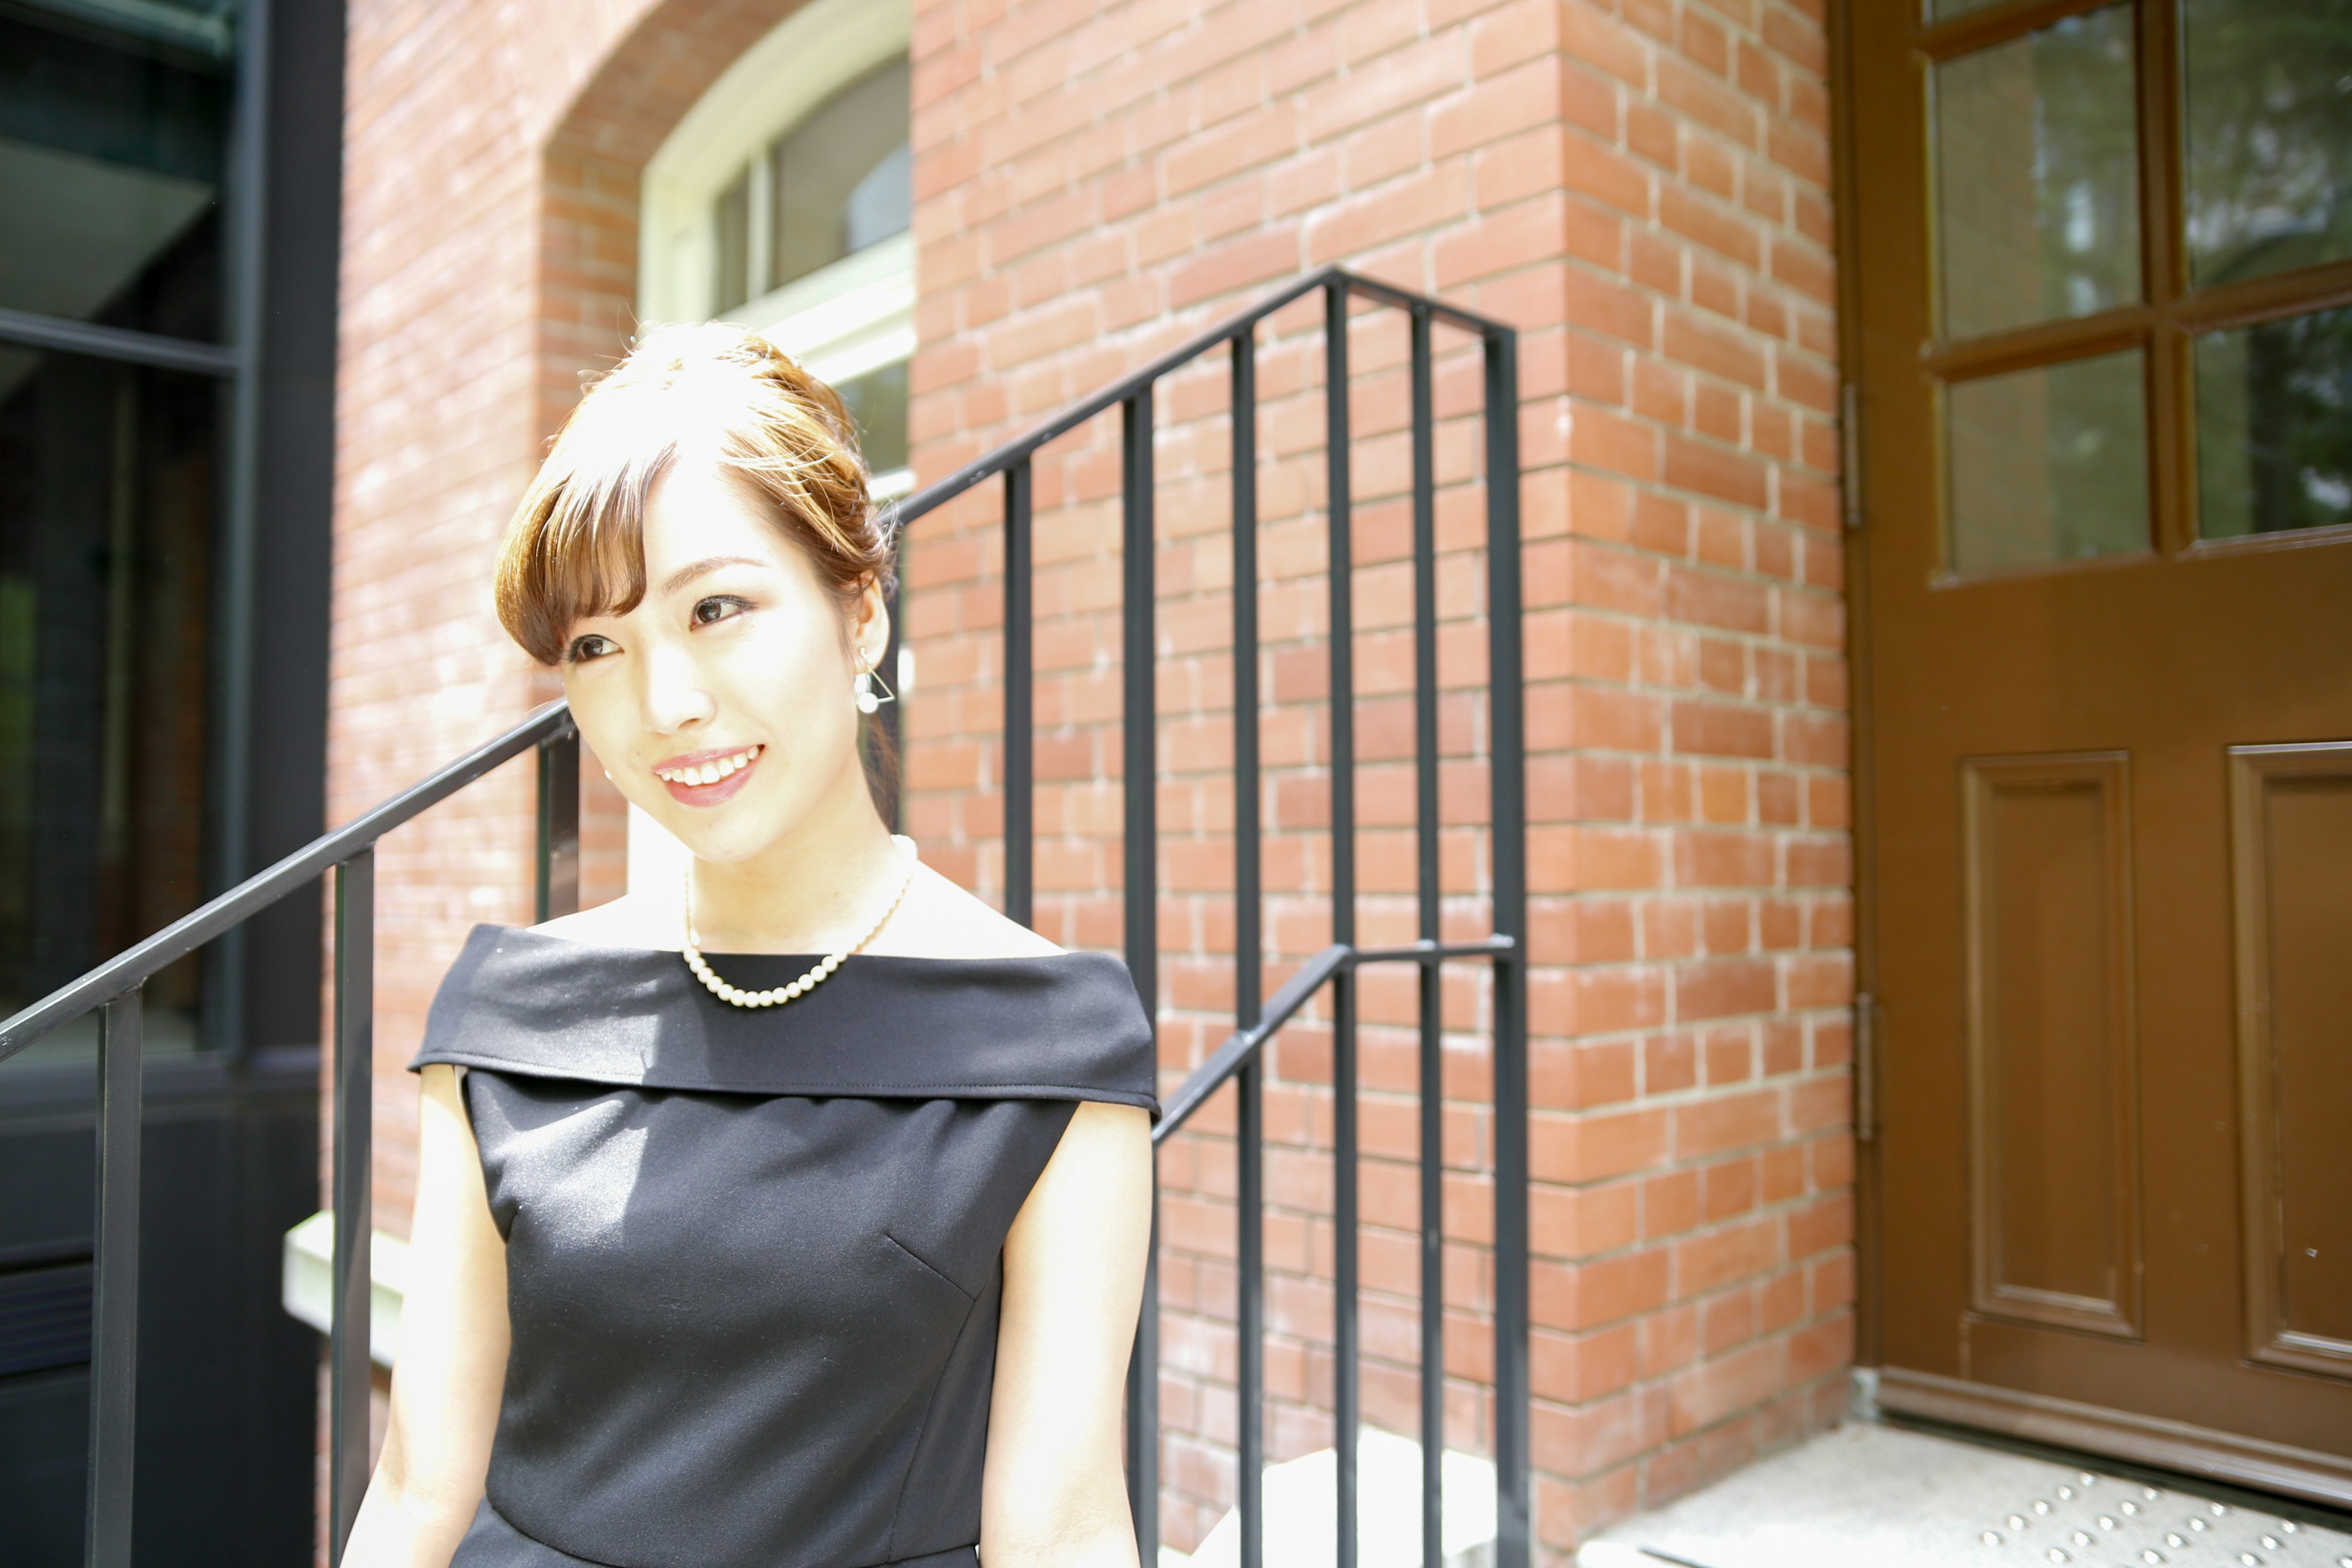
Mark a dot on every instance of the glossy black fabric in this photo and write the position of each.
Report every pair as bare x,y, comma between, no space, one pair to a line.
753,1257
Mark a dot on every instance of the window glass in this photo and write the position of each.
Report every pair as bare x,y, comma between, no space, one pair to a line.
838,182
842,177
2037,174
114,137
877,403
2275,426
2048,465
108,474
2267,92
733,218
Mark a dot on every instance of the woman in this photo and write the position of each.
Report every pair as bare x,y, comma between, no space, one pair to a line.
755,1259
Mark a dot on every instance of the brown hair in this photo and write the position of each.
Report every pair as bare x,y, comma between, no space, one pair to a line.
576,546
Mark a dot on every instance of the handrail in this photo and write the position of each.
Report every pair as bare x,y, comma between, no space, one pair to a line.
1001,460
116,990
135,965
1242,1047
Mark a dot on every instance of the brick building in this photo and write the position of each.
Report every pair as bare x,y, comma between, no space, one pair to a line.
1643,190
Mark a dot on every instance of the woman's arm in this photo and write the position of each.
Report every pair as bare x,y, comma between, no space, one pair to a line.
1053,1494
453,1354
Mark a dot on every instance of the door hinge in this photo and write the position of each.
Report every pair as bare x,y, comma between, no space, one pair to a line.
1865,1067
1850,451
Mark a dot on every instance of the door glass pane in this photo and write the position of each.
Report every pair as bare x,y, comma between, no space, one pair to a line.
843,178
2048,465
2268,114
1944,10
2037,176
108,475
2275,426
113,141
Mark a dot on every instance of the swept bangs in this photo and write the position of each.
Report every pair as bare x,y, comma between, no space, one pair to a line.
575,547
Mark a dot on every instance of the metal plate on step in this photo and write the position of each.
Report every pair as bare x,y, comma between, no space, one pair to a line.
2097,1520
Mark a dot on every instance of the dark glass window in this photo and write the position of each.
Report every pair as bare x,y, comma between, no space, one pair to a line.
109,474
2275,426
838,182
113,147
2048,464
2037,171
844,176
2267,95
877,403
734,220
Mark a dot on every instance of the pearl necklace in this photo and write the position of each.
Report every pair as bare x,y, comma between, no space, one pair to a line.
737,996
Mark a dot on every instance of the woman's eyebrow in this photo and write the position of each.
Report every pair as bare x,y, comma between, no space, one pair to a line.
693,569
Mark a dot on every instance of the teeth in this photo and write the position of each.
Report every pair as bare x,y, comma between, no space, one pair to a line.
709,772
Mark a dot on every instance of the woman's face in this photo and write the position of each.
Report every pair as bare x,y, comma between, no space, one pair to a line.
723,704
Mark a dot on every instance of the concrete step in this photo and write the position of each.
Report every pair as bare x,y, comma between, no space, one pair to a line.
1302,1511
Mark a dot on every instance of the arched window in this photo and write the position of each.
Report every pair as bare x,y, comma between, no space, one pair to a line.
784,199
828,188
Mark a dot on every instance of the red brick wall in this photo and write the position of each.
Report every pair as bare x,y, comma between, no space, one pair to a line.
1643,189
1704,1165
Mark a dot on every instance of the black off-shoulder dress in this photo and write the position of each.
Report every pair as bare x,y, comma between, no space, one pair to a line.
754,1258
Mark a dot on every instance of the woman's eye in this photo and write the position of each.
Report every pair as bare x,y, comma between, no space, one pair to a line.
716,608
588,647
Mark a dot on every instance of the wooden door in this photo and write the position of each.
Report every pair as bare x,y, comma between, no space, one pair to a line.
2104,273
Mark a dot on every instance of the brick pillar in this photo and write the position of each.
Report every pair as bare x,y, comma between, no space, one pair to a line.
1643,189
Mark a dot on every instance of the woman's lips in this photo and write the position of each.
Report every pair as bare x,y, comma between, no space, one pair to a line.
734,768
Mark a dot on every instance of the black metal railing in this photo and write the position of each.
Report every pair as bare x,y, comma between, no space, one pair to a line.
1240,1060
115,990
115,987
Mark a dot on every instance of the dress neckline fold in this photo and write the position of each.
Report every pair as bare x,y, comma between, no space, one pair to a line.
532,934
1065,1026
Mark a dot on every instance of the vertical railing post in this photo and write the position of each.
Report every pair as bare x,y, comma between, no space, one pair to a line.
1432,976
1020,748
1340,568
348,1361
1508,759
1139,766
114,1314
1249,957
558,860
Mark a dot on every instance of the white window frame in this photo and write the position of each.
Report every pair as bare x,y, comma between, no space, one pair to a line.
840,321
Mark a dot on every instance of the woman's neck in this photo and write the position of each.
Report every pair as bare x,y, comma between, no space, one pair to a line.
819,886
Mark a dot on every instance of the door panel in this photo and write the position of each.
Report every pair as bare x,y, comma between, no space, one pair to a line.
2106,562
2050,1040
2291,808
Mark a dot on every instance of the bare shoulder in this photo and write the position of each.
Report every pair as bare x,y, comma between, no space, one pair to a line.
629,920
940,919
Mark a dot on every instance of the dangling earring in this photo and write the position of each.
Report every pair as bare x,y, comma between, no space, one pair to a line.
866,697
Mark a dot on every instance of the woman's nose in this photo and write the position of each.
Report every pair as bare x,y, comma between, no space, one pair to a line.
674,695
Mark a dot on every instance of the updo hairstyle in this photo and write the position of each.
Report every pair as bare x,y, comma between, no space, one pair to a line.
576,546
